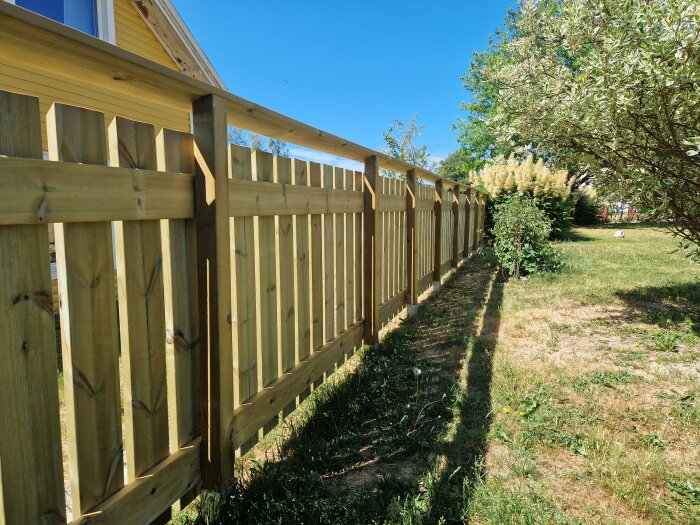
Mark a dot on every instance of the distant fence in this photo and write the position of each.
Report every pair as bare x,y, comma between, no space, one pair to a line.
243,280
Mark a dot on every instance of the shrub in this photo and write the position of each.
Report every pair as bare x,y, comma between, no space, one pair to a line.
549,190
587,206
521,232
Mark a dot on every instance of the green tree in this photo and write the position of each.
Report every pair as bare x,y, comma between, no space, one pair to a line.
612,87
401,142
257,142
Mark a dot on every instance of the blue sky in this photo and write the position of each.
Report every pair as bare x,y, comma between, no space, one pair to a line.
349,67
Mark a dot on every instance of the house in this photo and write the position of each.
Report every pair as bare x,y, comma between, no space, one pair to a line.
152,29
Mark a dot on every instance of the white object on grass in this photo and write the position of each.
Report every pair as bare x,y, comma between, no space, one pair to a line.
619,234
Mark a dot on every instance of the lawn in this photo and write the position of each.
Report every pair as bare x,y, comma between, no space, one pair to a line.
567,398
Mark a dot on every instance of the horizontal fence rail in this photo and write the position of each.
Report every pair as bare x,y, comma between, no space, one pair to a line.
202,290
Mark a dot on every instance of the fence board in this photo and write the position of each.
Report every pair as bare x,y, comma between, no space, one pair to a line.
349,258
358,255
339,248
318,325
328,262
466,246
243,272
266,284
38,192
285,274
141,311
31,473
88,324
302,275
175,153
253,198
142,500
249,416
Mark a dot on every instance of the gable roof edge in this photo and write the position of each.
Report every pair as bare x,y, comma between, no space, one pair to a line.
170,29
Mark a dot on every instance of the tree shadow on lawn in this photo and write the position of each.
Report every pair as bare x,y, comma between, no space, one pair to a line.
574,236
367,443
660,304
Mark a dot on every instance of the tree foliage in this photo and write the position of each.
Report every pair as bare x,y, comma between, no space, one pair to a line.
257,142
611,86
401,142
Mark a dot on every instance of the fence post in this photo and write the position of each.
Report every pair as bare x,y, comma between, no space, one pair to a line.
455,225
411,243
467,221
214,286
369,299
437,254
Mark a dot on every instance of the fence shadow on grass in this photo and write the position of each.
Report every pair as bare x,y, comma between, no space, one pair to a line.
361,452
463,454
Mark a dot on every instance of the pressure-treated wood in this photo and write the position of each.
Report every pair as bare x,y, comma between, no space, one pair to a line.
266,279
31,474
143,500
339,256
476,206
437,239
328,262
175,153
482,219
214,286
85,267
466,249
411,238
455,225
250,416
358,183
243,279
253,198
141,311
39,191
369,245
317,322
286,308
349,257
302,268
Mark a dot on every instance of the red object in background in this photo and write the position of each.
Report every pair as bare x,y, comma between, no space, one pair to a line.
603,214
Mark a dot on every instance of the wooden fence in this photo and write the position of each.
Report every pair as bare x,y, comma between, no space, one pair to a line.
242,280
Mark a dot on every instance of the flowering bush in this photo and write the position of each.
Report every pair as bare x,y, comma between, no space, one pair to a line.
527,177
521,234
549,190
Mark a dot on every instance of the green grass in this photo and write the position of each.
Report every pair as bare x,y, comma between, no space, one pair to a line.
570,398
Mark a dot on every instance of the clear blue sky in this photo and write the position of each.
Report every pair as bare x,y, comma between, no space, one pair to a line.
349,67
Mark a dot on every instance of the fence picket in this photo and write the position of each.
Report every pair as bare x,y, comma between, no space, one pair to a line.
302,273
88,307
175,153
31,473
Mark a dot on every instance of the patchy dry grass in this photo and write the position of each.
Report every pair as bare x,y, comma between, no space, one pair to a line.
568,398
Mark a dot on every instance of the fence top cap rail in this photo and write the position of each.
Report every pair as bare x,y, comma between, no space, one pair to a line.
120,69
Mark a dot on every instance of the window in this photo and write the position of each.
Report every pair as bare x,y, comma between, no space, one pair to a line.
79,14
94,17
